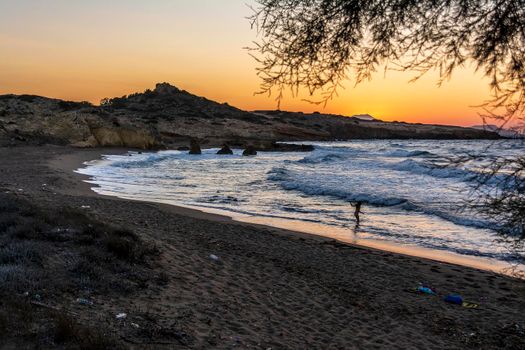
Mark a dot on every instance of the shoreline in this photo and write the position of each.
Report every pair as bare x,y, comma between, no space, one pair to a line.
218,283
299,228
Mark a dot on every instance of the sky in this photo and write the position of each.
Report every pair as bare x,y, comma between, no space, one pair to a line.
89,50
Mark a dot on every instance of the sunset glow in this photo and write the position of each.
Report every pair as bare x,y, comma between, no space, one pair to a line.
91,50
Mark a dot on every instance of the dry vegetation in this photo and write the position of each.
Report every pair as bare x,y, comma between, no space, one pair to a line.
52,257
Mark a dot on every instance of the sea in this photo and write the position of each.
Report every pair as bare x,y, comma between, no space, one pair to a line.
413,200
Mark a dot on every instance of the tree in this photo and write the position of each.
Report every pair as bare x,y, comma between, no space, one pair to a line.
318,44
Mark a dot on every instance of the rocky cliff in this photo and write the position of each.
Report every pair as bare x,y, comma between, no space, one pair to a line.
167,117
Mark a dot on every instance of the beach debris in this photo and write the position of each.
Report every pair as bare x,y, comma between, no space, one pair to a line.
422,290
458,300
134,325
425,290
454,299
83,301
214,257
85,207
469,305
121,316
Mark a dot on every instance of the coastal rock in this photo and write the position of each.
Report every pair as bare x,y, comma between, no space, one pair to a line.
250,151
195,148
225,150
183,148
287,147
124,137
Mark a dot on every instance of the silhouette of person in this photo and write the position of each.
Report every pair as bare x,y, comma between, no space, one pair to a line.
357,211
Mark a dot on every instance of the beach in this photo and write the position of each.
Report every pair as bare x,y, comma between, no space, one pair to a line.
219,283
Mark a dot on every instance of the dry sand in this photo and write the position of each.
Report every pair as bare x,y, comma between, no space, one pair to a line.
270,288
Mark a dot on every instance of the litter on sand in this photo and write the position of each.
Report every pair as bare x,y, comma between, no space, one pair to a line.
468,305
214,257
83,301
451,298
454,299
458,300
421,290
425,290
121,316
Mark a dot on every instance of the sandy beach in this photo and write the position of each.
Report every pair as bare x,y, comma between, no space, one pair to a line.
218,283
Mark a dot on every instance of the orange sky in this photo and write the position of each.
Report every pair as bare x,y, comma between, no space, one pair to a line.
88,50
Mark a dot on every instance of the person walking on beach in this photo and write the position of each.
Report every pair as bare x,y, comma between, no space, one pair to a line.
357,206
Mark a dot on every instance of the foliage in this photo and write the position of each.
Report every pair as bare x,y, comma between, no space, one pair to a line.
317,44
500,194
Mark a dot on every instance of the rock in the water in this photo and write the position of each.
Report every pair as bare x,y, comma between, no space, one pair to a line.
287,147
225,150
183,148
195,148
249,151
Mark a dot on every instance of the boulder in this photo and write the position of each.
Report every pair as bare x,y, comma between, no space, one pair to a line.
250,151
225,150
287,147
195,148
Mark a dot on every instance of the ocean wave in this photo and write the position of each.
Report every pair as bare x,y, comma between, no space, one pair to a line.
502,181
434,170
221,199
330,155
237,210
401,153
146,162
291,181
324,158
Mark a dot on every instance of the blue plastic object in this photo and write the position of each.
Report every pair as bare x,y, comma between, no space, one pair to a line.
454,299
425,290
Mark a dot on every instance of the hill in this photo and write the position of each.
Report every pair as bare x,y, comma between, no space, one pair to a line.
503,132
168,117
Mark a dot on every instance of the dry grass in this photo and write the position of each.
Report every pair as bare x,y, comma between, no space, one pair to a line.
62,254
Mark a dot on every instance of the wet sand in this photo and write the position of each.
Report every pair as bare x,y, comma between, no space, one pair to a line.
273,288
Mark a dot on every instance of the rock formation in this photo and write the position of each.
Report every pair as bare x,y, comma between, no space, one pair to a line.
195,148
249,151
225,150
